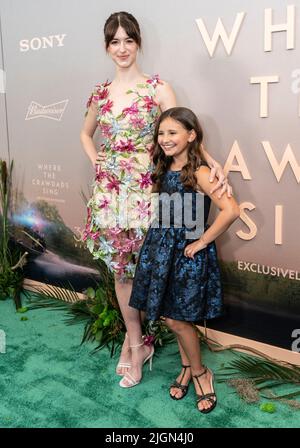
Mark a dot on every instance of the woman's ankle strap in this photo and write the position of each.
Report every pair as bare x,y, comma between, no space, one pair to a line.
138,345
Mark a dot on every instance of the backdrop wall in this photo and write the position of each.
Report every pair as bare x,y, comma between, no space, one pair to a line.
3,129
236,64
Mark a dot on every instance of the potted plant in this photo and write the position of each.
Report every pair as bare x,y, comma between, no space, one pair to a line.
11,258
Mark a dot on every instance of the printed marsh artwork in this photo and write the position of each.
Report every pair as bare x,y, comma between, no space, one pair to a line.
260,306
55,254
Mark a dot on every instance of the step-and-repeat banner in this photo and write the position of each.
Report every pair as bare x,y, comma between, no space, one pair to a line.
235,63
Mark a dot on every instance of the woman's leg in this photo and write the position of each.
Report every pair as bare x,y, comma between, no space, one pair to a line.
188,338
132,321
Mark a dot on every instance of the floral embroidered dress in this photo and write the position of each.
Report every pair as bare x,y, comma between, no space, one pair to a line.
119,209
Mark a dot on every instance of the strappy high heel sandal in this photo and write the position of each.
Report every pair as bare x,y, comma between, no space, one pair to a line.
178,384
211,397
130,380
121,365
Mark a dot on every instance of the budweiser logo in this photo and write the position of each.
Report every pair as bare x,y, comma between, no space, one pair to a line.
53,111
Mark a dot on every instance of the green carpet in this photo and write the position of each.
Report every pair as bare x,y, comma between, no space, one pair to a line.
48,381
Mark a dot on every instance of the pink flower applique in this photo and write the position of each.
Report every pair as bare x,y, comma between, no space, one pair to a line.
100,174
145,180
124,146
106,130
107,107
113,184
104,203
95,235
137,122
149,103
89,215
119,267
127,164
123,246
85,234
143,209
132,110
88,233
101,92
149,340
154,80
115,231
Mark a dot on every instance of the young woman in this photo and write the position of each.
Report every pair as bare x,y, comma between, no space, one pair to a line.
126,110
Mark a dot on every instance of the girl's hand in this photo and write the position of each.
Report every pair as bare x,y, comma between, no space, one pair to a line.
193,248
222,185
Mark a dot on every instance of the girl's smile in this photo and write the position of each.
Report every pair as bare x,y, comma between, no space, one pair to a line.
173,138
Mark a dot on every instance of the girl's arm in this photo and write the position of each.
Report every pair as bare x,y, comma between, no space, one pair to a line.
229,212
87,132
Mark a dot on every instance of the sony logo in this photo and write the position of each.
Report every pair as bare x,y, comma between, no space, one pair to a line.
36,43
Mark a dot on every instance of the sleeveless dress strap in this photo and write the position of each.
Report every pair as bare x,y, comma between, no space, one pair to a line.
98,95
154,80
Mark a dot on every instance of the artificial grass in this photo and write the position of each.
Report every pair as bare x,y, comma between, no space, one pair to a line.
48,380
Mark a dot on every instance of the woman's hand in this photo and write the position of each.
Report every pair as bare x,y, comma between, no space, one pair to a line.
216,170
193,248
222,185
100,158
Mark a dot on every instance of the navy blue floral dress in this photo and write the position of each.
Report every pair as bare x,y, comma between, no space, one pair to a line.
166,282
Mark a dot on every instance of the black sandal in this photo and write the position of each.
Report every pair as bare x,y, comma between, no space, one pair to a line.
183,387
211,397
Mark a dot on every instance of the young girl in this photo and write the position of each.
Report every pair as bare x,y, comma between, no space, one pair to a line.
176,277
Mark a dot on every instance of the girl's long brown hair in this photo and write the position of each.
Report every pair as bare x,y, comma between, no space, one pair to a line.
162,163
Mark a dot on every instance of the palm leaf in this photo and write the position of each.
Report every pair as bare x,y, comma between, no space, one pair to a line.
264,374
260,370
52,297
287,395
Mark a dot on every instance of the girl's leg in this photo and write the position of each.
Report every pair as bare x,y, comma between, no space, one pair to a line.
184,376
189,341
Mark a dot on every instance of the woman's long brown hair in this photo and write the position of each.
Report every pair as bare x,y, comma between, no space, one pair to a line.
126,21
162,163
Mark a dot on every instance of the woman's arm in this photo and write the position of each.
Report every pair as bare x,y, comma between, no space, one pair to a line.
87,132
165,96
217,172
229,212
